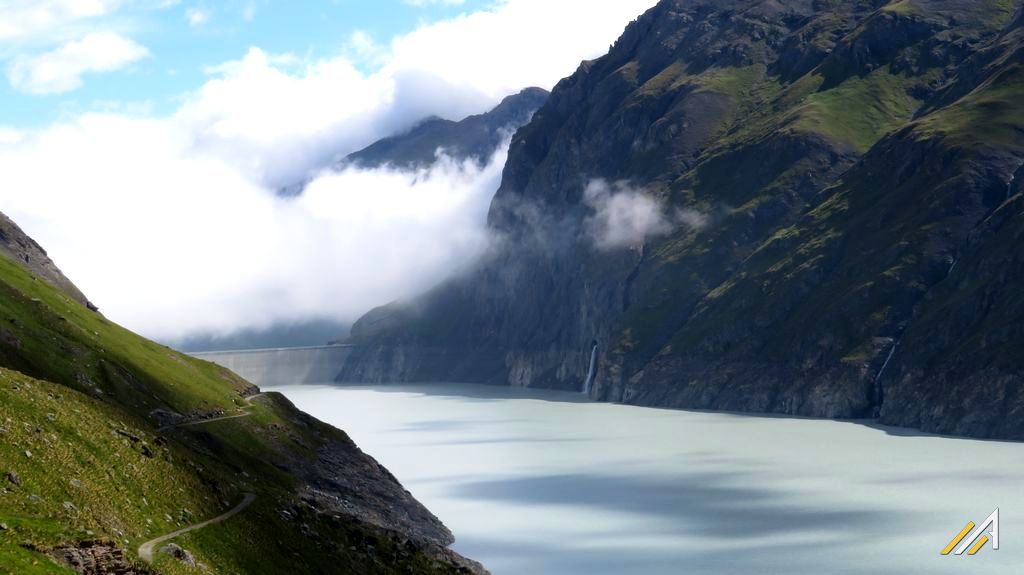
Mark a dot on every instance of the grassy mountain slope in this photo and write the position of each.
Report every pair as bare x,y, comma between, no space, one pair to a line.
94,465
826,163
827,302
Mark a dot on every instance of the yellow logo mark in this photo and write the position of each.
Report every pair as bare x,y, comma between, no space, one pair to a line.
979,536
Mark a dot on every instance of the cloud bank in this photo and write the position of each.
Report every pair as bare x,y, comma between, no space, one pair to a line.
184,243
171,223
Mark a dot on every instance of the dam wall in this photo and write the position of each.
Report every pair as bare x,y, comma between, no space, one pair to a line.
286,366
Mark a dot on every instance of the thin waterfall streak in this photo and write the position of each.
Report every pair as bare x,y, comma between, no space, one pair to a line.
591,371
878,378
881,372
1013,178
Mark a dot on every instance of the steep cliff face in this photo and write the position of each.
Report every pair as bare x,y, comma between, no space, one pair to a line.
815,169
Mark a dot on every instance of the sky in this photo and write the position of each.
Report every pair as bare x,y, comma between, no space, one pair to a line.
167,45
141,143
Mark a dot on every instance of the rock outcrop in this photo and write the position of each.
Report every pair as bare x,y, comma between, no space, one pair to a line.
97,558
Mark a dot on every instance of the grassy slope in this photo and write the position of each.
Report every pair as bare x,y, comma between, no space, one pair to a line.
64,342
859,111
104,379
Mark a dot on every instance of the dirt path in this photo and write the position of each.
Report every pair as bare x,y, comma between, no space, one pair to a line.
146,549
211,420
248,400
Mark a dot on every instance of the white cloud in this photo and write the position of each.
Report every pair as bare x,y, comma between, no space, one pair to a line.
692,218
197,17
421,3
624,216
364,49
173,241
519,43
23,18
61,70
171,225
279,117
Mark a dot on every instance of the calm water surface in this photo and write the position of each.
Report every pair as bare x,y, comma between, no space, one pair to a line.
536,482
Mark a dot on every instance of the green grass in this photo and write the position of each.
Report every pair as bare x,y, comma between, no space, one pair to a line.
120,494
737,83
859,112
84,479
990,115
62,341
904,7
669,79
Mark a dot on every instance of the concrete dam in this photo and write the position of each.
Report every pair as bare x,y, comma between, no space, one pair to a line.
287,366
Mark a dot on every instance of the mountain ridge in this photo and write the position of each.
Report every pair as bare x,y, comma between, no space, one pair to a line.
473,138
840,157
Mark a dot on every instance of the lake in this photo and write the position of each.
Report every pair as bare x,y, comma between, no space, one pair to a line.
545,482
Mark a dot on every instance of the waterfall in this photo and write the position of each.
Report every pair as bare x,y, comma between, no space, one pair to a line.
878,378
1013,178
592,371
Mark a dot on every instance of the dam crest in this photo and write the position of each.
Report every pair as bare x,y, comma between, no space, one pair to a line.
282,366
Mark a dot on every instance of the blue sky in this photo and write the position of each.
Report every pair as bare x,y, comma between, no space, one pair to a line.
142,142
184,38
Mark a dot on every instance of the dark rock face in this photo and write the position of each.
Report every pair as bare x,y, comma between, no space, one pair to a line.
475,138
345,481
839,183
18,246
